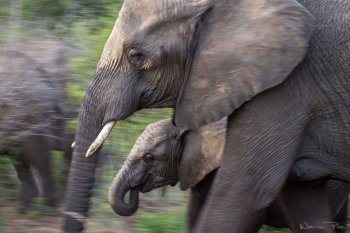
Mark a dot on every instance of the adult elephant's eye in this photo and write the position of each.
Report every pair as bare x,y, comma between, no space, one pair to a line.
148,158
136,58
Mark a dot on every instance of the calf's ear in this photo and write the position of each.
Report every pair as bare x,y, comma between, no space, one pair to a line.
202,153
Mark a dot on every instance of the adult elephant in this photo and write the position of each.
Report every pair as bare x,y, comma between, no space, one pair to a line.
206,58
164,154
33,78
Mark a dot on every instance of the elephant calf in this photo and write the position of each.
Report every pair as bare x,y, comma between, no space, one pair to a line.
164,155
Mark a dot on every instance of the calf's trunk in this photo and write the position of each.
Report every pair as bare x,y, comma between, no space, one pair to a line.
119,188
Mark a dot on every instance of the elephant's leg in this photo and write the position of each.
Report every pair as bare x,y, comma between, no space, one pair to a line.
194,207
28,188
338,192
341,218
65,168
37,152
307,208
308,171
263,137
197,199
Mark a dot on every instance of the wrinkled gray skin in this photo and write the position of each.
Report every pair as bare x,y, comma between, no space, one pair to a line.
275,68
161,155
33,77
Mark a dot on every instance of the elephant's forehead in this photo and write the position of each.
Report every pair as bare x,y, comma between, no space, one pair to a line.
133,22
149,140
137,14
153,135
142,15
146,144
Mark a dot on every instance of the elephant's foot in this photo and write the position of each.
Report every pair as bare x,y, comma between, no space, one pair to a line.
26,195
51,196
51,201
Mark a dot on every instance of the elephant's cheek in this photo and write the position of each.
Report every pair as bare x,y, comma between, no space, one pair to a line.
145,188
148,185
153,183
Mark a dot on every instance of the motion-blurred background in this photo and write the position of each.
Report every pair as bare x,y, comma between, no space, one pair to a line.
48,52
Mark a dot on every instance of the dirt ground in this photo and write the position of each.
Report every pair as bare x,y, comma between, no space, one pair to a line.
13,222
101,221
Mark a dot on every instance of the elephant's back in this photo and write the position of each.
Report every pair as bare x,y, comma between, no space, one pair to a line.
324,75
332,17
27,98
320,84
329,48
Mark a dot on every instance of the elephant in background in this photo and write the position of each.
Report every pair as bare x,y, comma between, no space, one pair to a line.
32,94
164,154
277,68
34,112
36,152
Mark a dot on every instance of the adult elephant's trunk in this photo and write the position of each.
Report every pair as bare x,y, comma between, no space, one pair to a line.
82,169
81,174
119,188
97,111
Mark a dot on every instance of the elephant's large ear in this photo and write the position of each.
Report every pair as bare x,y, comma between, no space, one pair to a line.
202,153
244,47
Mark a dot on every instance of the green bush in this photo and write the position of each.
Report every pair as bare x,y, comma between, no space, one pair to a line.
162,222
8,180
57,163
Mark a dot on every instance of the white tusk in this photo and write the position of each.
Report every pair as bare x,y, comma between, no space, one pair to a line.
100,138
73,144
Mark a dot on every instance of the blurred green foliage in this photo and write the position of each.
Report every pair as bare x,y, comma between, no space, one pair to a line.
4,12
8,176
59,16
162,222
39,210
8,181
57,163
